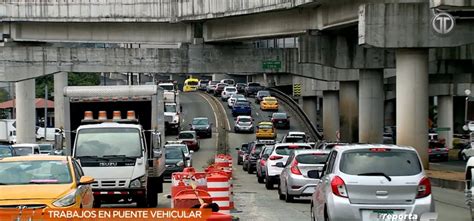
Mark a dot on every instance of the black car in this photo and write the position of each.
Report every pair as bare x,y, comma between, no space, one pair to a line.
260,95
240,88
280,120
174,161
219,88
250,163
202,127
6,151
252,88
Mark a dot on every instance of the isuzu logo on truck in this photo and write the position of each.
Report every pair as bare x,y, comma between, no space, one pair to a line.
108,164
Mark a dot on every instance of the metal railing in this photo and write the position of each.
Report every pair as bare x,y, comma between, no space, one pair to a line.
314,133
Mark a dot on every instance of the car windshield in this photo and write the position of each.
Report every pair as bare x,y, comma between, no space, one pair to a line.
185,136
181,147
204,82
434,145
170,108
201,121
192,83
45,147
258,148
265,126
286,150
35,172
279,115
228,81
167,87
244,120
5,152
108,141
242,104
254,84
312,158
271,99
263,93
231,89
295,139
391,162
173,153
23,151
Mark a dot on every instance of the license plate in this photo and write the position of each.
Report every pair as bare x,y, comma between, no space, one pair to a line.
280,121
309,190
381,215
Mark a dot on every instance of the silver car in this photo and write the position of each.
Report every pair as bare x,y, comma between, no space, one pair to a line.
372,182
295,179
244,124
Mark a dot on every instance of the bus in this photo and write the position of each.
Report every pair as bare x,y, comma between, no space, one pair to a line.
190,84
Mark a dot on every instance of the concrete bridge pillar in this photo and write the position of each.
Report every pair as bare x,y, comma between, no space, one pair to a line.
25,112
412,100
310,107
371,105
349,110
445,119
60,81
330,115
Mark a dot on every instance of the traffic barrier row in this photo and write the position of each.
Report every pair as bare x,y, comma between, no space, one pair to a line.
214,185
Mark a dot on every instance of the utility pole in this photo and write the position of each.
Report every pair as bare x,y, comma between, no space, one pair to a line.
45,109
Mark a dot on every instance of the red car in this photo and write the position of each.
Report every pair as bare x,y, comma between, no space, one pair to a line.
190,138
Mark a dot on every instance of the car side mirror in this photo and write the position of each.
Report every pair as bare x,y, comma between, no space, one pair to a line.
191,151
86,180
237,148
314,174
280,164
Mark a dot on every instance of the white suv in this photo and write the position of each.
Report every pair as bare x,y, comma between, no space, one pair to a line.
228,92
370,182
279,154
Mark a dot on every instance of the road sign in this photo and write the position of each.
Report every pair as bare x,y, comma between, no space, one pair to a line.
440,129
275,65
296,90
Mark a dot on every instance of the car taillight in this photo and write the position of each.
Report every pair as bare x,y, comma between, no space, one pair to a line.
424,188
294,168
338,187
262,162
429,150
379,149
275,157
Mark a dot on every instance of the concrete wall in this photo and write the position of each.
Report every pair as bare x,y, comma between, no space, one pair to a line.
137,10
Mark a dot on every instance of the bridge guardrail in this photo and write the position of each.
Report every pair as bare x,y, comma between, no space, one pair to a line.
297,110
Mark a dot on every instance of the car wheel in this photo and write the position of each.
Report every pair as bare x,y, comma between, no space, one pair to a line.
239,162
268,183
464,157
260,179
250,170
280,194
244,167
288,197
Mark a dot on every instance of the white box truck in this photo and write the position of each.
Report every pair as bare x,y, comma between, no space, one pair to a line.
8,131
115,133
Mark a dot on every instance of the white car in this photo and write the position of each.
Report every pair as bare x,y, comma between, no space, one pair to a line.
50,133
229,82
26,149
279,154
228,92
233,98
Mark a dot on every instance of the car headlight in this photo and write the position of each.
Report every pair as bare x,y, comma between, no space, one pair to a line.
180,164
67,200
138,182
175,119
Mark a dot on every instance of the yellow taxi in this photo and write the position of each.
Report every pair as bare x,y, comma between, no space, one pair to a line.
265,130
190,84
269,103
39,182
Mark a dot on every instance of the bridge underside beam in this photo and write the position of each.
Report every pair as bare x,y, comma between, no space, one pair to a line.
19,63
157,33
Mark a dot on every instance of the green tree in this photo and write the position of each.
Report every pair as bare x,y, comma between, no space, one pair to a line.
74,79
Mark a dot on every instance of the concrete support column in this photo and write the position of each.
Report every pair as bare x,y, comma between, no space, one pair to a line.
349,110
310,107
25,112
412,100
330,115
445,118
60,81
371,106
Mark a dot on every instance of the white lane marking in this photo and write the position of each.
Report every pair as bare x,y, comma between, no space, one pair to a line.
257,113
225,115
215,117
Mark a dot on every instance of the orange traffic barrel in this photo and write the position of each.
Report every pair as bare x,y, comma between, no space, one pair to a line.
218,187
189,198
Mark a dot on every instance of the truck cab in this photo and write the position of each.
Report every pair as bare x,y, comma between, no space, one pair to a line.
172,119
